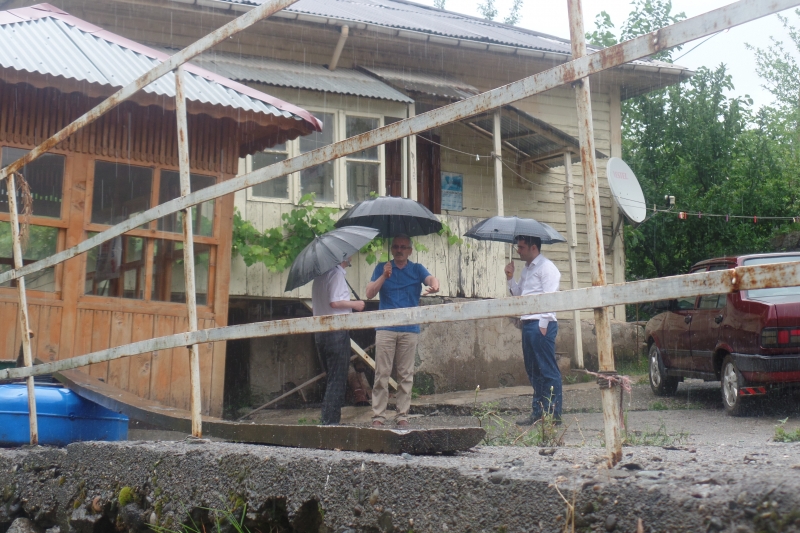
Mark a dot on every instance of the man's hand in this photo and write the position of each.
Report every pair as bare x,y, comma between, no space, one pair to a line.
432,287
358,305
387,270
509,270
544,331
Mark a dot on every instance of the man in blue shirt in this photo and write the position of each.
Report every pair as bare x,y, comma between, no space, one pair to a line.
399,283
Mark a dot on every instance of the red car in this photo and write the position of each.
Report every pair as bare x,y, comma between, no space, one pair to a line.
747,340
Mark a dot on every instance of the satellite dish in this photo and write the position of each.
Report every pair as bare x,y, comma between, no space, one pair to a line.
626,190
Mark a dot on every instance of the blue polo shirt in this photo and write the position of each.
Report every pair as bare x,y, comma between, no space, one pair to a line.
402,289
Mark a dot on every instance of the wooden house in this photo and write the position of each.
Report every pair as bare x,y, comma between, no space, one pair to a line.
53,68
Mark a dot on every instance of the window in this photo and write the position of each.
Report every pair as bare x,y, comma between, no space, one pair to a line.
685,303
140,265
45,177
120,191
319,179
714,301
363,168
202,215
278,187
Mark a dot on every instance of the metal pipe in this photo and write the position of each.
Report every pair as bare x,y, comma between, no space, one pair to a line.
645,45
188,252
687,285
572,245
498,162
24,324
594,230
201,45
337,52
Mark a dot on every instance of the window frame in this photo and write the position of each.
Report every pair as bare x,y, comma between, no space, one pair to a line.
61,223
340,199
150,234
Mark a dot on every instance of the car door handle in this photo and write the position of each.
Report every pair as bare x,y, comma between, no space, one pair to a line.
718,319
687,318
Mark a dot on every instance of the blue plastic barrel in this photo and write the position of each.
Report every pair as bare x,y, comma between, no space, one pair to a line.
63,417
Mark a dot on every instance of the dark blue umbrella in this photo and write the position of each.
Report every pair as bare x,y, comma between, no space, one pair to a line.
392,216
507,229
325,252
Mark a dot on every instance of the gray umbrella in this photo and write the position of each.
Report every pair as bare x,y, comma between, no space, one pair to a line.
392,216
326,251
506,229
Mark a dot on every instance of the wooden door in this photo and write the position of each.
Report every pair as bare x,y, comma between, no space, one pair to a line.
394,169
429,175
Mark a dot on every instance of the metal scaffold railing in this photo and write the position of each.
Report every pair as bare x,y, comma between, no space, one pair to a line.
598,297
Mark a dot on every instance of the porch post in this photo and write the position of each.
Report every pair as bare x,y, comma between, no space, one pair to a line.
594,223
24,324
617,242
188,250
411,180
572,245
498,163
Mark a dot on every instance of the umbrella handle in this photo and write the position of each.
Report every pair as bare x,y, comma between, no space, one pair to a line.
352,289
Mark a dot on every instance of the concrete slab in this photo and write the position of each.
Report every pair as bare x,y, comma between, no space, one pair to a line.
487,490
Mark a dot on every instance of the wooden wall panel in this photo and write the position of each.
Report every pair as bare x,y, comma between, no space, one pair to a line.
161,362
139,374
179,391
119,369
101,333
9,328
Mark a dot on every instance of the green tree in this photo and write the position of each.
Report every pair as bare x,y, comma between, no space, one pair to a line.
489,11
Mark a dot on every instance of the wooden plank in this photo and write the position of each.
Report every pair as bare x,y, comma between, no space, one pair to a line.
206,367
50,333
101,335
34,313
118,371
413,441
8,330
140,365
179,388
161,362
367,359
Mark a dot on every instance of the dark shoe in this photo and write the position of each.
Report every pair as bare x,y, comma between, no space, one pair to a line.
377,424
528,420
402,423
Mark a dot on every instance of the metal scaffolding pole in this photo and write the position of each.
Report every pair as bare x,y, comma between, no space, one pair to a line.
188,250
572,245
597,257
24,324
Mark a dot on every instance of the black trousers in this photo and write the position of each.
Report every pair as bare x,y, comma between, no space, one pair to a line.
334,350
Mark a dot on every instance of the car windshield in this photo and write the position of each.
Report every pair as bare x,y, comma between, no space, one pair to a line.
771,293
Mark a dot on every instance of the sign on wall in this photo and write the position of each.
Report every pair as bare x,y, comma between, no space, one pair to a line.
452,191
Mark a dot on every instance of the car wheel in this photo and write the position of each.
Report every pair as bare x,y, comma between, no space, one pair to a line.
732,381
660,382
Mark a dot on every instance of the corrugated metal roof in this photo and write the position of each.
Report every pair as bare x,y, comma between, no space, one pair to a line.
45,40
424,83
298,76
405,15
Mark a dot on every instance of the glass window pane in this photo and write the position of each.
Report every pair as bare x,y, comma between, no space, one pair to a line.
362,179
116,268
202,215
319,179
42,243
276,188
120,191
45,176
357,126
168,281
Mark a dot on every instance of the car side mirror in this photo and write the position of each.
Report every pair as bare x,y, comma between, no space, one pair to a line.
665,305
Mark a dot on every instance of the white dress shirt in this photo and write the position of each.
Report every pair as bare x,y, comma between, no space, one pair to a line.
327,288
539,277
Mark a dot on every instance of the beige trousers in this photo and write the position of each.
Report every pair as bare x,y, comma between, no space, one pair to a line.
398,350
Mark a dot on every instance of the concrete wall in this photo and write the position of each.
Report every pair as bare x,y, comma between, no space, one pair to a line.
461,355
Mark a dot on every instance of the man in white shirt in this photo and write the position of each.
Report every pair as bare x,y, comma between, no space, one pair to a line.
539,330
330,295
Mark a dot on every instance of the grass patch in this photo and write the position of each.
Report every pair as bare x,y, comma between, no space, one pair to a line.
308,421
635,367
659,437
224,520
781,435
502,432
658,405
578,377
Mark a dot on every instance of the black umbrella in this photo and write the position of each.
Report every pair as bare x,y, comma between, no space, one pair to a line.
506,229
392,216
325,252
